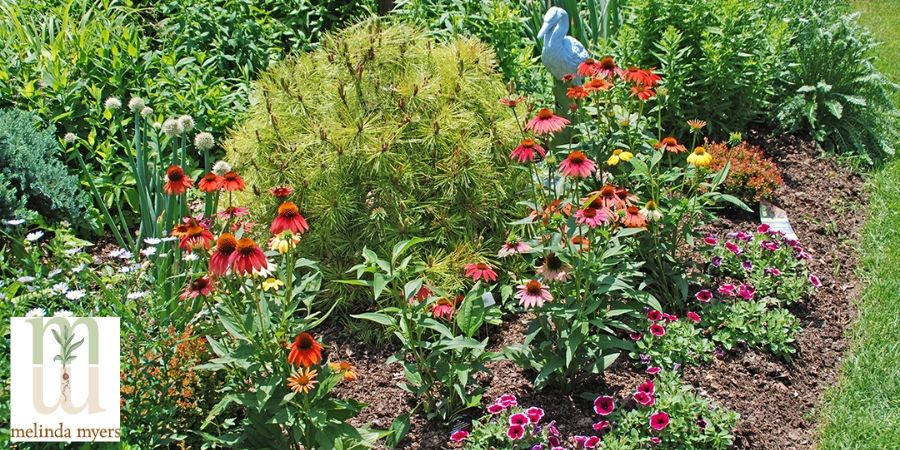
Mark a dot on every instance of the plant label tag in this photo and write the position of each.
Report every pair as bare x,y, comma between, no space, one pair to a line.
776,218
488,299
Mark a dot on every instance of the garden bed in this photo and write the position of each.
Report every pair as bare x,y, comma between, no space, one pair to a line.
777,399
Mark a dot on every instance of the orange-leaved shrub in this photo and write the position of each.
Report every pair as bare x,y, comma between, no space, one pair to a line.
752,176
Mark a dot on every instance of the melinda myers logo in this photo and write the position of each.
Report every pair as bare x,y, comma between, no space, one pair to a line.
65,379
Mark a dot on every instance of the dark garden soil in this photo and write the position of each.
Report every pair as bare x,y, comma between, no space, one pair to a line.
776,399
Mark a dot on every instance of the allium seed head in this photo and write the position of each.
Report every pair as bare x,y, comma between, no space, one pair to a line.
146,111
70,138
221,168
172,127
136,104
113,103
187,122
204,141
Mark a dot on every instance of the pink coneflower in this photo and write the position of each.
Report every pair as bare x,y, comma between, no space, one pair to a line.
511,101
577,165
704,296
553,269
533,293
177,182
197,237
576,93
653,370
512,248
518,419
210,183
815,281
670,144
694,317
526,151
746,291
607,198
443,309
608,68
281,191
602,425
644,398
495,409
289,219
515,432
654,315
546,122
633,218
593,217
247,257
626,197
231,181
589,68
219,259
733,248
482,271
604,405
659,421
657,330
508,400
534,414
459,435
233,211
200,286
728,289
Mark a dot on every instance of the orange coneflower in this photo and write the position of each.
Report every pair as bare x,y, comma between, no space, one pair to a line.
210,183
645,77
289,219
608,199
633,218
281,191
231,181
582,243
180,230
247,257
576,92
346,368
670,144
302,381
305,351
597,85
696,124
177,181
219,260
546,122
196,237
511,101
642,91
200,286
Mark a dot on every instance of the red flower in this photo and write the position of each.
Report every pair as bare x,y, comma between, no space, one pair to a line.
633,218
526,151
654,315
480,270
281,191
608,68
219,259
196,237
693,316
546,122
659,421
645,77
443,309
289,219
231,181
576,92
176,181
670,144
247,257
210,183
604,405
657,330
647,387
201,286
644,398
589,68
305,351
642,91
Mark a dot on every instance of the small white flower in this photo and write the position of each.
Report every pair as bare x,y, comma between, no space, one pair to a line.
33,236
151,241
149,251
79,268
77,294
221,168
268,271
54,273
146,112
36,312
15,222
187,123
191,257
63,313
125,269
172,127
136,104
113,103
61,287
26,279
136,295
70,138
125,255
115,253
73,251
204,141
169,239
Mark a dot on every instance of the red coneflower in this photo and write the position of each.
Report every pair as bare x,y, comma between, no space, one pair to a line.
626,197
481,270
289,219
577,165
210,183
576,92
642,91
608,68
233,211
645,77
597,85
670,144
443,309
200,286
247,257
231,181
546,122
526,151
196,237
589,68
176,181
281,191
305,351
633,218
219,259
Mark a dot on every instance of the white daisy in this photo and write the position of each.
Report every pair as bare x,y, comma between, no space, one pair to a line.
126,255
63,313
79,268
115,253
54,273
36,312
169,239
149,251
15,222
136,295
191,257
33,236
73,251
267,272
77,294
152,241
62,288
26,279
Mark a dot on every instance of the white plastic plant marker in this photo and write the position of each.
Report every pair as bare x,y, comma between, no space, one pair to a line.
776,218
488,299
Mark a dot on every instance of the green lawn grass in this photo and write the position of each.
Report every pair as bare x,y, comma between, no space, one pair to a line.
863,410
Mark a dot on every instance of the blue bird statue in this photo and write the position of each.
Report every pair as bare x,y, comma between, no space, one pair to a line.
561,54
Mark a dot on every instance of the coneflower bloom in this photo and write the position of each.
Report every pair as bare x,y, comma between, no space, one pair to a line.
633,218
177,182
231,181
482,271
345,368
607,198
443,309
619,155
180,230
553,268
626,197
670,144
305,351
210,183
281,191
200,286
593,217
526,151
608,68
582,243
511,101
699,158
289,219
645,77
576,93
247,257
512,248
597,85
221,254
577,165
284,241
696,124
546,122
589,68
651,211
196,237
642,91
303,381
533,293
233,211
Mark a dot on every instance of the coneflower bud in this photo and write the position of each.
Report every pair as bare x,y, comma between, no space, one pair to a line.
172,127
136,104
187,122
204,141
146,112
113,103
221,168
70,138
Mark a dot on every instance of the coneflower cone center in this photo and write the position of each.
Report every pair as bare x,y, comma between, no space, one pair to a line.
533,287
545,114
246,246
577,158
226,243
288,210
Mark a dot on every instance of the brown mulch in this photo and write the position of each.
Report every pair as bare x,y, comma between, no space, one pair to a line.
776,399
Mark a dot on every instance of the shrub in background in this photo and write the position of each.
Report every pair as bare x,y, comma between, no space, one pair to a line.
752,177
385,136
32,175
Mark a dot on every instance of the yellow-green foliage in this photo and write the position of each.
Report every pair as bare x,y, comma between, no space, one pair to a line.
385,135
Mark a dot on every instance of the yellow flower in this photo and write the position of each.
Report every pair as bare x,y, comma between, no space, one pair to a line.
699,158
346,368
284,241
619,155
272,284
302,381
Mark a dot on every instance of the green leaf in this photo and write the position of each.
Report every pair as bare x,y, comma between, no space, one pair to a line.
377,318
400,426
401,247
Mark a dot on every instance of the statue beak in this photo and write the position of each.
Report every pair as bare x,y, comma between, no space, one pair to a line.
543,32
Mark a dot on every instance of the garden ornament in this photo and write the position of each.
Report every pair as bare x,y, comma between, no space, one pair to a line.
561,54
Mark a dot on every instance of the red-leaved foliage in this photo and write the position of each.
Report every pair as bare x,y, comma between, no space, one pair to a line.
752,177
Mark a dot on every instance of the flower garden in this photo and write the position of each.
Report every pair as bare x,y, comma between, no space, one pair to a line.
434,224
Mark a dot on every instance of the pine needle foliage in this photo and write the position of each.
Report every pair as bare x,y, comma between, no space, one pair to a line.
385,135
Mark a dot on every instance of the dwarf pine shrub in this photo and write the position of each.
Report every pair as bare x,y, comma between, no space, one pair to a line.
385,136
31,175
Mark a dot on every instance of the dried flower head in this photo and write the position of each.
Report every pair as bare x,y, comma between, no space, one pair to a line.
172,127
112,103
204,141
136,104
